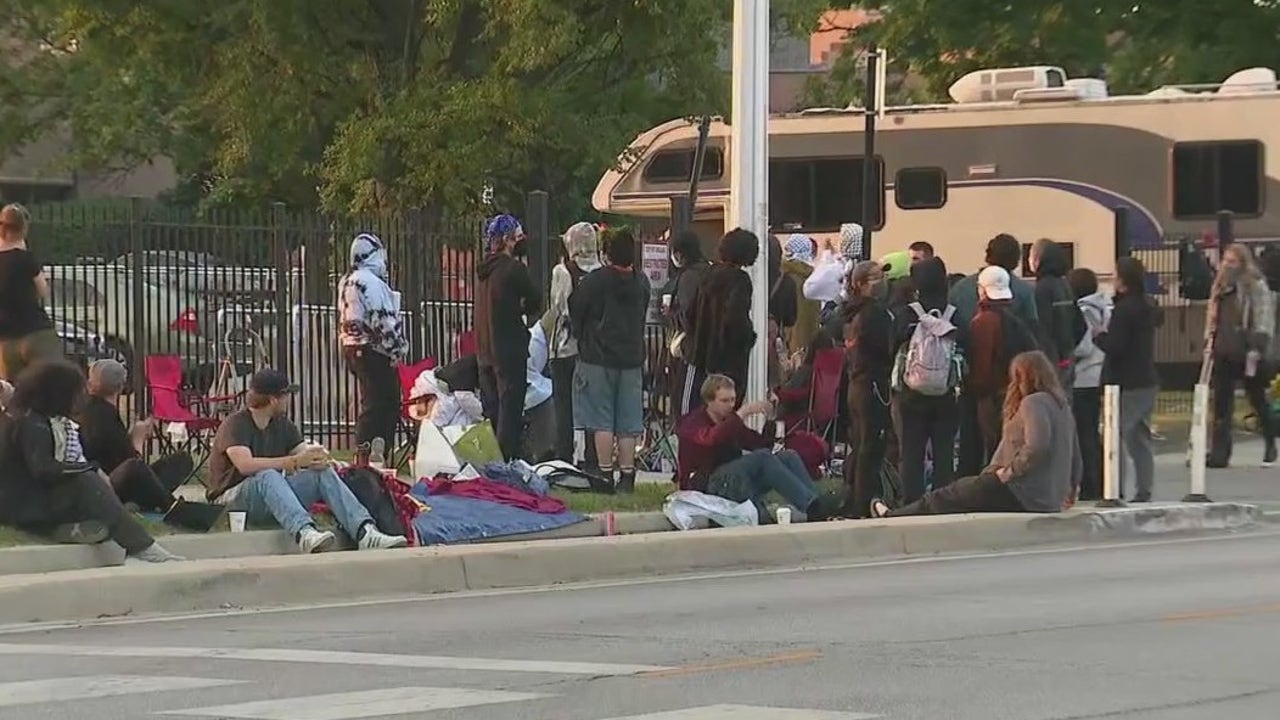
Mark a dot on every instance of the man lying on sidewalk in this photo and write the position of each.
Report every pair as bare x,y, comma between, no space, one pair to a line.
260,465
720,455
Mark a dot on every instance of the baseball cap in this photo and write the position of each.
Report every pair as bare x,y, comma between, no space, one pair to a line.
269,381
995,281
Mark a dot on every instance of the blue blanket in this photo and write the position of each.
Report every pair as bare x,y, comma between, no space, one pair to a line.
453,519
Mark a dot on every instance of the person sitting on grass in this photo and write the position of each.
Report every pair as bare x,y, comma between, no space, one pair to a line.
119,452
1037,466
260,465
720,455
47,488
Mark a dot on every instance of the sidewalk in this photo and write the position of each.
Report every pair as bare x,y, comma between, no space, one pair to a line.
1245,481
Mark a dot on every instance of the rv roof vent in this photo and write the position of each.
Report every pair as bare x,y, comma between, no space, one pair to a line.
999,84
1057,94
1089,88
1168,91
1251,80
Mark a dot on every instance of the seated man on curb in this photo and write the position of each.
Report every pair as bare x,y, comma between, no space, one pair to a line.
260,465
720,455
119,452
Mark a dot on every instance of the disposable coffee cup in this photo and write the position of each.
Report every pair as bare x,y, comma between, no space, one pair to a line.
784,516
237,521
666,300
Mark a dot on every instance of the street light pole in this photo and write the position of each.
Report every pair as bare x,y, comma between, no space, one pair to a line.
749,167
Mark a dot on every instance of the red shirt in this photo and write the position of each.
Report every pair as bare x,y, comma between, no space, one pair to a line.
706,445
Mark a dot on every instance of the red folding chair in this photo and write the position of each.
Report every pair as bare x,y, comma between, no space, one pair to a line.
171,403
412,409
824,396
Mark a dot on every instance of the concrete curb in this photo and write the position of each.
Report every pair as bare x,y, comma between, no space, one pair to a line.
257,582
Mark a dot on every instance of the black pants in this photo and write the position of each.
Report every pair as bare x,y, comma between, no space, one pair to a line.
379,388
151,487
84,496
990,426
502,392
926,420
1086,405
969,436
977,493
1223,384
562,392
869,421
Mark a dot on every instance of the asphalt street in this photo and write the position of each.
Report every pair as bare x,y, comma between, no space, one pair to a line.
1175,629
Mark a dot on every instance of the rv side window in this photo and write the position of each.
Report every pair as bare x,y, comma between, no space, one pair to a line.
818,195
922,188
672,166
1212,176
1070,249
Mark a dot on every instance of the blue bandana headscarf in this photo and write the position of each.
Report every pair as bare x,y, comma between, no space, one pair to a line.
500,228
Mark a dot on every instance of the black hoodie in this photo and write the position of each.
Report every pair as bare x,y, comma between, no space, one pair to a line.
929,282
607,312
1055,305
867,324
505,296
1130,341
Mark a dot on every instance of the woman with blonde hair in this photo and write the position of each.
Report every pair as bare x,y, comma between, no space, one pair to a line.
26,333
1239,328
1037,466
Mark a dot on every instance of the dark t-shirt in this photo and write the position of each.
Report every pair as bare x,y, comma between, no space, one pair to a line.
21,309
277,439
104,436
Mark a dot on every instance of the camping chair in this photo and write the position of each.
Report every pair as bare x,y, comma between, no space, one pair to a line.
824,396
171,404
412,410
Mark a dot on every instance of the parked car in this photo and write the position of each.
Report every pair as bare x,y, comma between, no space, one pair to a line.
85,347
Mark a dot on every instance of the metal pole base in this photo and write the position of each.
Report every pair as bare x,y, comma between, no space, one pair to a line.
1117,503
1196,498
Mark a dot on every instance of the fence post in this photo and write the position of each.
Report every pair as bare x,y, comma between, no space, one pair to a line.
1199,436
280,296
1111,490
681,215
1226,228
1123,246
536,225
137,313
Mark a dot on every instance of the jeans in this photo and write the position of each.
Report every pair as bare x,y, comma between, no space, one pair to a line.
978,493
1223,384
1136,407
379,388
869,420
1087,407
753,475
926,421
502,393
269,495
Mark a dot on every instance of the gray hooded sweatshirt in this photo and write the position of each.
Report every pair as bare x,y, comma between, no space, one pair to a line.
1040,448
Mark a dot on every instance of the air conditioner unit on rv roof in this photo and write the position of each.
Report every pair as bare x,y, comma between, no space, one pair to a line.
999,84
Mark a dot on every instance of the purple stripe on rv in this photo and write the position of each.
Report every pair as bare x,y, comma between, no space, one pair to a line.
1144,232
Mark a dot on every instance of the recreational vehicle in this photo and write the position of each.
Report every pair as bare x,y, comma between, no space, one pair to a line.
1025,151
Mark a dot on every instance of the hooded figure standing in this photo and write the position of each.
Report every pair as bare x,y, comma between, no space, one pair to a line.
826,284
372,337
797,262
581,256
1058,330
506,303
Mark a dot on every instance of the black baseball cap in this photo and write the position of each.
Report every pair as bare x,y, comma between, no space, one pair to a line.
269,381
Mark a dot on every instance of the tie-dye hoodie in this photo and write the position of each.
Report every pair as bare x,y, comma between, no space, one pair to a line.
368,310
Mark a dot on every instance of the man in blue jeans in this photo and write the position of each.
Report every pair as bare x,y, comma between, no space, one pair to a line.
260,465
720,455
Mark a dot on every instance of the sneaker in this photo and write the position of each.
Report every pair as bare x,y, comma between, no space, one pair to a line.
823,507
156,554
311,540
89,532
626,481
375,539
1141,498
1269,455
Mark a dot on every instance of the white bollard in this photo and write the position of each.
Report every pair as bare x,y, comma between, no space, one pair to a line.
1111,459
1199,442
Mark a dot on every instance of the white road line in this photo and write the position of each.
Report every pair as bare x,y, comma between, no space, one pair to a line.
330,657
749,712
29,692
362,704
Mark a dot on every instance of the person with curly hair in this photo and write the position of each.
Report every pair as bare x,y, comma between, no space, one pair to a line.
48,488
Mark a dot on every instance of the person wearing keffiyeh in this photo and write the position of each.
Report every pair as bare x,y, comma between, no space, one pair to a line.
372,337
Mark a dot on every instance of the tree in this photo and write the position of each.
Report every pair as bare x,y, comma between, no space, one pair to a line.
359,105
1136,45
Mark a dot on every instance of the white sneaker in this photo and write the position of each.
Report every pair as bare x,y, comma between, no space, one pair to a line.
312,540
156,554
375,540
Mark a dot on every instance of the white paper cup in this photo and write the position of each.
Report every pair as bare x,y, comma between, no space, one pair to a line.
666,300
237,521
784,516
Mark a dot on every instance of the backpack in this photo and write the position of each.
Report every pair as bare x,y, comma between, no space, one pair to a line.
929,363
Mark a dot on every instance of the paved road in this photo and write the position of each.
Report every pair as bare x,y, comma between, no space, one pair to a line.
1172,630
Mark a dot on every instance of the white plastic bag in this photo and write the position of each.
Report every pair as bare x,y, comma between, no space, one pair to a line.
434,455
684,508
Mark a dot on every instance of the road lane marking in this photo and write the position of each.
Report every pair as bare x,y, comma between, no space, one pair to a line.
746,663
360,704
331,657
749,712
1222,613
56,690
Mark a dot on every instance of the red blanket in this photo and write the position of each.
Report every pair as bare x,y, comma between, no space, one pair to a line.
482,489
